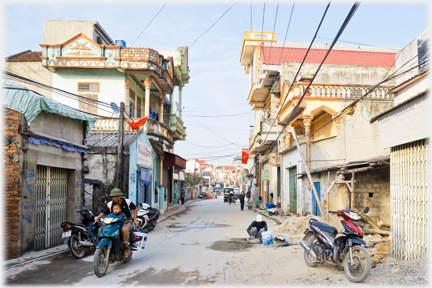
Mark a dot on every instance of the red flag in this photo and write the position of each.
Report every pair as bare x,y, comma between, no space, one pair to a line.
138,124
245,157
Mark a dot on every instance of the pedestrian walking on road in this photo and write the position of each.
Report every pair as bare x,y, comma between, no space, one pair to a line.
242,199
248,196
182,196
257,227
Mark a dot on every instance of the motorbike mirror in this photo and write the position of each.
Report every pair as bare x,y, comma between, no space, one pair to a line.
366,210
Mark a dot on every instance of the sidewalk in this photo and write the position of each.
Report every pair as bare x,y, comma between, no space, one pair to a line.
63,250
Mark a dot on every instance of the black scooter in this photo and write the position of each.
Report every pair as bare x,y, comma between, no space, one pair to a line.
80,235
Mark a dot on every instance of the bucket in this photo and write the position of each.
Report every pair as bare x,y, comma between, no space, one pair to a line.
139,239
267,237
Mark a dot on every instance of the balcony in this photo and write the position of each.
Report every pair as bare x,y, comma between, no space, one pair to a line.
257,97
156,131
177,127
261,139
321,92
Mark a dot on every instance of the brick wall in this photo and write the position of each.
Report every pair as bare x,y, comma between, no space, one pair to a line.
11,158
372,189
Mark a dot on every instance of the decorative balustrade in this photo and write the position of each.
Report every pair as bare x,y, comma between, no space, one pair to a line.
342,91
151,126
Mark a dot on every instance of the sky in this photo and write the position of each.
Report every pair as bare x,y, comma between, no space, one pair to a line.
216,112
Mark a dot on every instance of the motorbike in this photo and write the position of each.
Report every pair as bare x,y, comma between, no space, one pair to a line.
147,217
110,246
347,250
80,235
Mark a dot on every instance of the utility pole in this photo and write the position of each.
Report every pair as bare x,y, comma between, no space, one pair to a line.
120,146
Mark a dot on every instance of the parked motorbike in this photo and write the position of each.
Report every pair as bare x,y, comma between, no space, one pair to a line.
346,250
80,235
147,217
110,246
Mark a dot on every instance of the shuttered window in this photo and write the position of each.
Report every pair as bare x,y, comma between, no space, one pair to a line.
89,103
131,103
88,87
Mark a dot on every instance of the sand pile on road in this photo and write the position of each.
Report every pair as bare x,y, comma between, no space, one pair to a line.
295,225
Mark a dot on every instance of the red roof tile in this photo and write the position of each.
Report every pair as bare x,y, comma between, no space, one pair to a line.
276,55
26,56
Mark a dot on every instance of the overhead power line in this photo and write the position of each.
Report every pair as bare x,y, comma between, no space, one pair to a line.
148,24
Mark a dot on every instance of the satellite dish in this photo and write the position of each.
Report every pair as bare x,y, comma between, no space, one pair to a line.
177,105
114,107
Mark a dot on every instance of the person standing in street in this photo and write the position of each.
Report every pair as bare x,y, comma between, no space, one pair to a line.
182,196
242,199
248,196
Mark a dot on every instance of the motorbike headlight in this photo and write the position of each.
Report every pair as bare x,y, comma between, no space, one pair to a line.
109,220
354,215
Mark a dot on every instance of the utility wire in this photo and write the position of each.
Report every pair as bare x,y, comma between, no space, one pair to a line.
211,26
148,24
344,25
274,26
301,65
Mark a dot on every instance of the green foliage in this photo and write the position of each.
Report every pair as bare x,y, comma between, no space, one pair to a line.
192,179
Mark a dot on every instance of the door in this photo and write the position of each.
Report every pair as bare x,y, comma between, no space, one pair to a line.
315,210
293,190
175,192
50,208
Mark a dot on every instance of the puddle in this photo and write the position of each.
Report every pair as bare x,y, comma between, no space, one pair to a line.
202,225
233,245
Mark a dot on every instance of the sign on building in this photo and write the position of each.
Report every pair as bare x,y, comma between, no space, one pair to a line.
144,153
265,175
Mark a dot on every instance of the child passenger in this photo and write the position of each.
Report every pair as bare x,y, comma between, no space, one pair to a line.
117,213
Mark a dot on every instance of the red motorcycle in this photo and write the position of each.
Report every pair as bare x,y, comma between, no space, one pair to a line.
346,250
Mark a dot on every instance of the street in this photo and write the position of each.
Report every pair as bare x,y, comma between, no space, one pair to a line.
202,245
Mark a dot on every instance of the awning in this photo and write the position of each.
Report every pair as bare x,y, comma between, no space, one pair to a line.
174,160
67,147
27,102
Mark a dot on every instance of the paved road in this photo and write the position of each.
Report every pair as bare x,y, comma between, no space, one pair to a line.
194,247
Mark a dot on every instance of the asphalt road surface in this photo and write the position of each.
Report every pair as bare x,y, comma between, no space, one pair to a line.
193,247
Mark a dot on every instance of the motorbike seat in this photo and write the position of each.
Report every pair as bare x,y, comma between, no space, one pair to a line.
325,227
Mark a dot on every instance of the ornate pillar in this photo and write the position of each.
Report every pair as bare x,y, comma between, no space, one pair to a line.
161,106
307,119
337,122
287,138
147,84
180,101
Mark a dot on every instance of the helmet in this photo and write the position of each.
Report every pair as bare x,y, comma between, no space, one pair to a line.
259,218
116,192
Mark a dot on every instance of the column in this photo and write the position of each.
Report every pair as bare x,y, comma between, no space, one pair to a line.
147,84
180,101
307,119
161,106
171,103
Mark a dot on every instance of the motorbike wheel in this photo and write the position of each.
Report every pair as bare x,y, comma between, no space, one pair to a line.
150,228
99,264
76,249
310,261
362,264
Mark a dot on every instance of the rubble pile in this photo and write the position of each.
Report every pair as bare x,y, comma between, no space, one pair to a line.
295,225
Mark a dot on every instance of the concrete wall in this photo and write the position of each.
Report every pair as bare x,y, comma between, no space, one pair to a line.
358,139
407,53
46,155
416,88
111,85
338,74
59,31
33,71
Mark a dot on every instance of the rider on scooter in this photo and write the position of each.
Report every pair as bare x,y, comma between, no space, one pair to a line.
126,205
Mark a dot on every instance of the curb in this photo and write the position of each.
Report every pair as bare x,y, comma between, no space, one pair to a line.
24,260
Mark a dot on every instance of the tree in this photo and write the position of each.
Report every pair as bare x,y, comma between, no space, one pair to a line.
192,179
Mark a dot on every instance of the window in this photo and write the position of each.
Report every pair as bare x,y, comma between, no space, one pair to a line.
131,103
99,40
89,103
139,109
88,87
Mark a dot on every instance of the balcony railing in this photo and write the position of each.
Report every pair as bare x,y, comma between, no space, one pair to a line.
177,127
150,127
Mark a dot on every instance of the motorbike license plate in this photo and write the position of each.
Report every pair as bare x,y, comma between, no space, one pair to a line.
67,234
